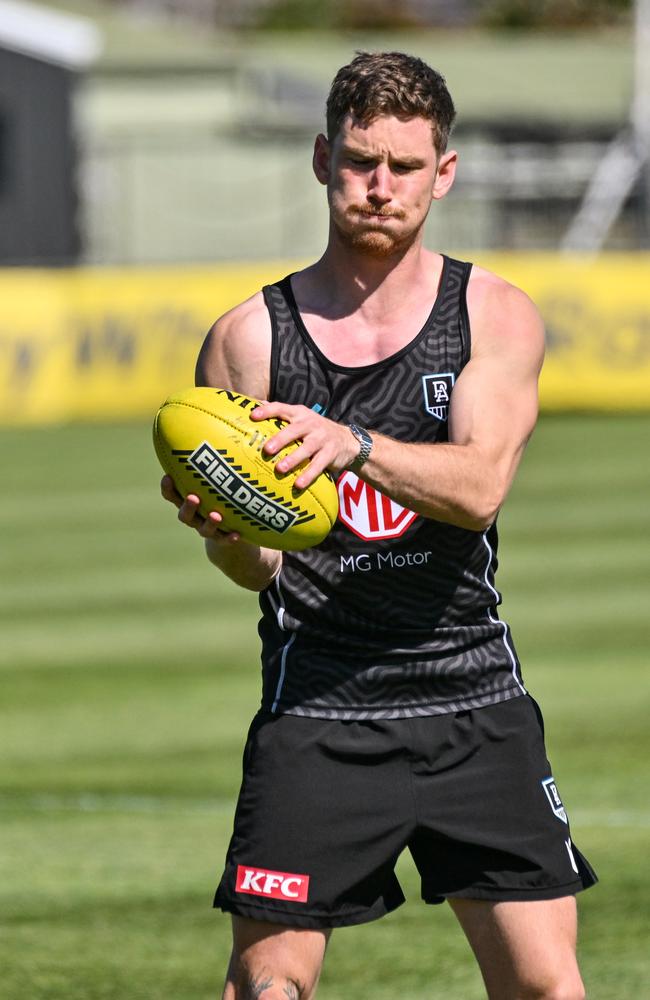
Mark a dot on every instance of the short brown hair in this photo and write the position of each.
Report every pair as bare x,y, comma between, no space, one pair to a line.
390,83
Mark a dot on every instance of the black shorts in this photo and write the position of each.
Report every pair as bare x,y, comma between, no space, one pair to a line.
326,808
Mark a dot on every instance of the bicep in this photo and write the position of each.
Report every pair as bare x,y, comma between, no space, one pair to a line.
494,406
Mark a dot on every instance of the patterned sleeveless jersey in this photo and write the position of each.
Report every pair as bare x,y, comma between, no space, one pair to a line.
394,614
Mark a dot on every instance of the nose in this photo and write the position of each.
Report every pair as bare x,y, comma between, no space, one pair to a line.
379,187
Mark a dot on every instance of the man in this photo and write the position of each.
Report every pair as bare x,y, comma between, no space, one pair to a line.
393,712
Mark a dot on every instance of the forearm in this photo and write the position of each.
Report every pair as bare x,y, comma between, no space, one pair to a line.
462,483
455,483
248,566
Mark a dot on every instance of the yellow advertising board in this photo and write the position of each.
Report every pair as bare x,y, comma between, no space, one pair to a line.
105,344
597,317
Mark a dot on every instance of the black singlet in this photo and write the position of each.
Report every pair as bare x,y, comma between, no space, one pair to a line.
394,615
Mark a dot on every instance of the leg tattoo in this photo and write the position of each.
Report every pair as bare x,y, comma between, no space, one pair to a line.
255,987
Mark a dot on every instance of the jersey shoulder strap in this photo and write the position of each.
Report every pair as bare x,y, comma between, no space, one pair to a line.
279,298
451,312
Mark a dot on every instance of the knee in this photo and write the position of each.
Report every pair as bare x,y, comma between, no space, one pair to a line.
560,987
274,962
268,987
250,982
562,992
568,991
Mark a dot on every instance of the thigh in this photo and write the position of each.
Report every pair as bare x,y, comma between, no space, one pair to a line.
492,824
314,844
524,949
273,960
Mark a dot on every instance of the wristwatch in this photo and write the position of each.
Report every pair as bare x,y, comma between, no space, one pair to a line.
364,439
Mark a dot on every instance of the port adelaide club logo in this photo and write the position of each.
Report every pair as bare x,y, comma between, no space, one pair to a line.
554,799
437,393
237,490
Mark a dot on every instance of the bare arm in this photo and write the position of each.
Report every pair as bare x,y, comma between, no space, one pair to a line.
235,355
492,415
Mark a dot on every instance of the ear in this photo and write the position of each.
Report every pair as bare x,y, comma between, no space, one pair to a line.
445,174
321,159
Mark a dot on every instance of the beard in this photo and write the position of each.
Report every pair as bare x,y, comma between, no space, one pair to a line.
359,231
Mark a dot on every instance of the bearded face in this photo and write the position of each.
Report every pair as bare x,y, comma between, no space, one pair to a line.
370,230
381,179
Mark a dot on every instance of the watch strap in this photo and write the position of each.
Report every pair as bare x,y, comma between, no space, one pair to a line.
364,439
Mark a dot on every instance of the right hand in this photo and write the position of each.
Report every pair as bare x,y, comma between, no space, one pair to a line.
188,513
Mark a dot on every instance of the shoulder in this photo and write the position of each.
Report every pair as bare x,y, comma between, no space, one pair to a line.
236,352
502,317
242,326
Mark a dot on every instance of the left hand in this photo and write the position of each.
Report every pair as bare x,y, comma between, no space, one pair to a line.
324,444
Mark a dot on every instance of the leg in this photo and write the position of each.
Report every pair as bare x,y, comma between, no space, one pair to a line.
526,950
273,961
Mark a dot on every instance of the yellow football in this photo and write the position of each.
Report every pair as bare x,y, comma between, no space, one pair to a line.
207,442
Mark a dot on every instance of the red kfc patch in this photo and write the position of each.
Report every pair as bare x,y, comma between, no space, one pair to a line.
274,885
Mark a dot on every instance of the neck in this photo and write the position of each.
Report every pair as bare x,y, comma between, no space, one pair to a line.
347,280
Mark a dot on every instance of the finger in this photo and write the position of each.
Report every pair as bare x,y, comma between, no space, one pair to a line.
318,464
210,529
303,453
296,431
263,411
282,411
169,491
189,510
213,524
214,528
309,475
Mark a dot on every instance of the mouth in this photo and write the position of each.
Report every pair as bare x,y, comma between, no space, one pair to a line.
377,216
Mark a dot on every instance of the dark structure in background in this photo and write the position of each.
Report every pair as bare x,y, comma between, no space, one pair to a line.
41,54
37,163
197,146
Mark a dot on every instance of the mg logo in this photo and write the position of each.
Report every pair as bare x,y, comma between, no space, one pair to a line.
368,513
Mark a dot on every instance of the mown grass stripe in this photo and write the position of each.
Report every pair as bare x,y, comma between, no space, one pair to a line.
89,803
132,671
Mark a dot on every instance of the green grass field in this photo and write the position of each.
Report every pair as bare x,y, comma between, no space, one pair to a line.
130,670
